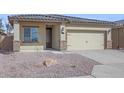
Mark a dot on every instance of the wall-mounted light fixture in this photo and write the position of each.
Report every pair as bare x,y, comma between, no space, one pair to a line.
109,31
62,30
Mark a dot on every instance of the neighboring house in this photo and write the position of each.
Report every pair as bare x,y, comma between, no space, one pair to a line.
118,35
38,32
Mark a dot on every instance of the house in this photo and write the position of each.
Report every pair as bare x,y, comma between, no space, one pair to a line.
36,32
118,35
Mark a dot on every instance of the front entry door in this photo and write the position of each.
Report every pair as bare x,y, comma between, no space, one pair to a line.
48,37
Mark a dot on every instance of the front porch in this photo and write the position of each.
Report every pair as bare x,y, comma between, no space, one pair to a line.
36,36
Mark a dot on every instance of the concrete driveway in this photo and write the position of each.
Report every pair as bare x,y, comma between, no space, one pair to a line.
104,56
108,71
112,60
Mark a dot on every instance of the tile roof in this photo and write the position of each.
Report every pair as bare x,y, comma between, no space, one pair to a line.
81,20
119,23
55,18
36,17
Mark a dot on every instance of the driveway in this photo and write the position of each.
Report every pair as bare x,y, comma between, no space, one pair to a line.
108,71
112,60
104,56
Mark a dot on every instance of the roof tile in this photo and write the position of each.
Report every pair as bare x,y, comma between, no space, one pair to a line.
55,18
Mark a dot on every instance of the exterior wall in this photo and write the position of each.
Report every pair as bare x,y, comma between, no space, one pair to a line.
105,40
88,28
16,32
115,38
118,38
121,38
16,46
59,40
88,25
16,40
41,37
56,37
31,48
63,37
41,32
109,39
19,44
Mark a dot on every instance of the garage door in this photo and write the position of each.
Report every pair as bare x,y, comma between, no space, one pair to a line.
85,40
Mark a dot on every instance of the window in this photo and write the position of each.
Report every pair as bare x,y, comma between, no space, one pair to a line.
30,34
27,34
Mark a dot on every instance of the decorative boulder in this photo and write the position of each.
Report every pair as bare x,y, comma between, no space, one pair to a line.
49,62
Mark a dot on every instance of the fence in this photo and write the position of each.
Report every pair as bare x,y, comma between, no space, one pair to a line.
6,43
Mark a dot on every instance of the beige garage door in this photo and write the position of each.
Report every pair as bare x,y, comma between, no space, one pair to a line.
85,40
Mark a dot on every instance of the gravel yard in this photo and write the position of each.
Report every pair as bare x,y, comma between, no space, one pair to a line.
30,65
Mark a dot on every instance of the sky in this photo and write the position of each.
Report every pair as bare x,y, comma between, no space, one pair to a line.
106,17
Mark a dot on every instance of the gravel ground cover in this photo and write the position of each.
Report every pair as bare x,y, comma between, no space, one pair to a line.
30,65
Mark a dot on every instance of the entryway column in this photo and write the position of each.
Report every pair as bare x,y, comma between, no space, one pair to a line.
109,39
16,41
63,41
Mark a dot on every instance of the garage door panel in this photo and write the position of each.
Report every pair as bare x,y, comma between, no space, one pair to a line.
84,41
74,44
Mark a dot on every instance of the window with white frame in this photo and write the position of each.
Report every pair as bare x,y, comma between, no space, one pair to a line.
30,34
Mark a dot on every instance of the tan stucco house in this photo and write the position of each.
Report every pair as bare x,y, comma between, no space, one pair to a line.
35,32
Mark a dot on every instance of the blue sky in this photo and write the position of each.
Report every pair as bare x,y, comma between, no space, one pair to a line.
107,17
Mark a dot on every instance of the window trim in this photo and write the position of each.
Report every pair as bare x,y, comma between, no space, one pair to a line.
30,41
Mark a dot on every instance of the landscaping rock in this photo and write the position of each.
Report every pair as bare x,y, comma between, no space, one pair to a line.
44,65
49,62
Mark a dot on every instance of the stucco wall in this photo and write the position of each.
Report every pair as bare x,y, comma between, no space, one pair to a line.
41,35
56,36
16,31
88,25
63,38
118,38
